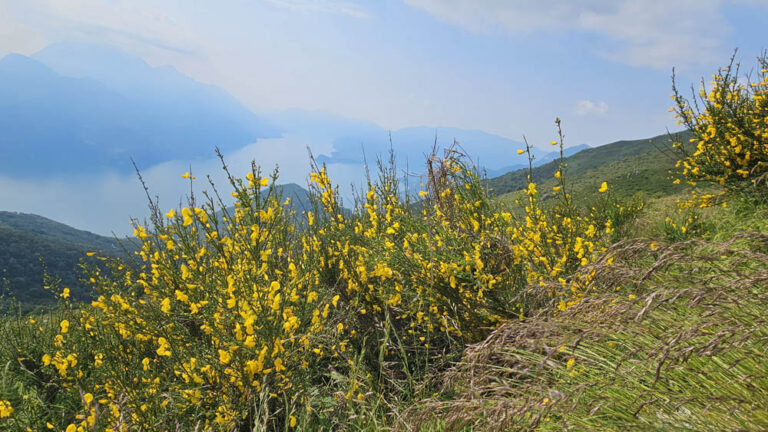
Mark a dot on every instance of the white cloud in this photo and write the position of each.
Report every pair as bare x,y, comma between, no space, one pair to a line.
584,107
18,37
124,23
654,33
327,6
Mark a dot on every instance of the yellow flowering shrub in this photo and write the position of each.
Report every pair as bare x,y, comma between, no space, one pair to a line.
220,321
729,121
421,279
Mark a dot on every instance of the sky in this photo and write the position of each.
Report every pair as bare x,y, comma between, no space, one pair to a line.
507,67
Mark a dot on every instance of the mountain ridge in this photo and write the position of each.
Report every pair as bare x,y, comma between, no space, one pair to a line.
88,109
30,245
57,124
629,166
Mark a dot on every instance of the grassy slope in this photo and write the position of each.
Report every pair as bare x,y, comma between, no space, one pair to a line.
27,241
628,167
673,337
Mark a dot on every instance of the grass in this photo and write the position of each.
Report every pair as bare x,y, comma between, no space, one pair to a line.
673,339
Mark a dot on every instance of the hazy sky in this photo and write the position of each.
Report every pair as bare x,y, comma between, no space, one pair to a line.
504,66
507,67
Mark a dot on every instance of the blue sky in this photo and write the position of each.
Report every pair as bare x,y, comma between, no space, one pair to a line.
506,67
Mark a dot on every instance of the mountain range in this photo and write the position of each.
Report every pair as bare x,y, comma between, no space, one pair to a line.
75,109
81,109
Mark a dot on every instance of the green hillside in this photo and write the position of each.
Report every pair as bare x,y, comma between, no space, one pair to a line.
30,243
627,166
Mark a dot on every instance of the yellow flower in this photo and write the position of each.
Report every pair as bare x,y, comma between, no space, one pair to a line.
163,347
558,174
603,187
224,357
293,421
171,213
264,181
520,151
64,326
276,302
188,175
187,214
88,398
553,142
165,305
5,409
279,365
180,296
65,293
556,188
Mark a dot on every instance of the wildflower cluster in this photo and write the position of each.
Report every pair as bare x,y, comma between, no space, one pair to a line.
729,122
221,321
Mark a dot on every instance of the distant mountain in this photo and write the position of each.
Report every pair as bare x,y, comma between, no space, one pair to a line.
299,201
299,196
541,159
83,109
74,109
28,242
355,142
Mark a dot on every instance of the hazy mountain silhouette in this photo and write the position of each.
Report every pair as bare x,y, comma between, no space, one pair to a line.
357,141
55,118
82,109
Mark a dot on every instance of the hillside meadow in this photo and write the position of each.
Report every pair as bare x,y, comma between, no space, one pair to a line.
573,303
